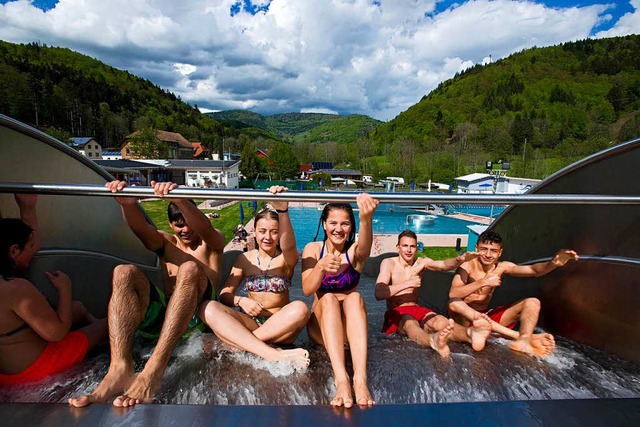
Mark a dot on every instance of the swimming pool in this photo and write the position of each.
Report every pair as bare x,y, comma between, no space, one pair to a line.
385,221
481,210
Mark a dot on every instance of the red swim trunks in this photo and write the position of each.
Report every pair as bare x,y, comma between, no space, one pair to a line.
393,316
496,313
56,357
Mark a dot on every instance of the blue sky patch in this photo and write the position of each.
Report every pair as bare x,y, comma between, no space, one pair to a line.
248,6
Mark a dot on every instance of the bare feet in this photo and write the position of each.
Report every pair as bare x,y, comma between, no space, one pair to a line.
479,331
540,345
363,397
343,395
298,357
116,381
142,389
439,340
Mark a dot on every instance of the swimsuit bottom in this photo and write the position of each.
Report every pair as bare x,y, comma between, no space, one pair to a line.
56,357
496,313
260,319
393,316
154,318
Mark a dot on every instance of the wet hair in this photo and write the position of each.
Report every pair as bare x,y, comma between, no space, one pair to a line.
12,232
490,237
268,214
338,207
407,233
265,213
174,214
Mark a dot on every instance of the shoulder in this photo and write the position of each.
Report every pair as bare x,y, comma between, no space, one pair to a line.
17,288
168,237
312,248
505,266
244,258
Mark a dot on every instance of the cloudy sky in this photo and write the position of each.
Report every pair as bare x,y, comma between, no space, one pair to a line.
374,57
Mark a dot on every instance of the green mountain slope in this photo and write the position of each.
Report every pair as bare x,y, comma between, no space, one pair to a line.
58,89
312,127
576,91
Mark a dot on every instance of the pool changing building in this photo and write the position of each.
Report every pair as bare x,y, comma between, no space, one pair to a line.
484,183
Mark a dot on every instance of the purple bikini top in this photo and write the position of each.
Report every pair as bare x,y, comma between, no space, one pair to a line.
345,280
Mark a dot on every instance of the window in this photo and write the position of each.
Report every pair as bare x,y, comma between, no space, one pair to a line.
89,154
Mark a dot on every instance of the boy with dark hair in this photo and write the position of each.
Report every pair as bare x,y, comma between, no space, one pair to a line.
191,261
476,280
398,283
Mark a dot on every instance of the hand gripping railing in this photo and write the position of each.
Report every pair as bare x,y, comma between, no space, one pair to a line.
324,197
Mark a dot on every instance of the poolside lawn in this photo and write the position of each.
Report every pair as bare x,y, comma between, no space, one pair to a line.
227,221
230,217
440,253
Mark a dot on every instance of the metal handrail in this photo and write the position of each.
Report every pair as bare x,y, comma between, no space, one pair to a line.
323,197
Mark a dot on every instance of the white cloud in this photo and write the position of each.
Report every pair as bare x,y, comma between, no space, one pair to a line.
318,110
346,56
629,23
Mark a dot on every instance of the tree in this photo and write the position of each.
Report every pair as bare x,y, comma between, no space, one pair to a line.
249,166
285,162
144,145
60,135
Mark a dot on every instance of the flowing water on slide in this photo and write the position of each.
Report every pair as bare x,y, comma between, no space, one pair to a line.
205,371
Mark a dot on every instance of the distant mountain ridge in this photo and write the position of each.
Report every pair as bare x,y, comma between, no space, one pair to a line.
298,127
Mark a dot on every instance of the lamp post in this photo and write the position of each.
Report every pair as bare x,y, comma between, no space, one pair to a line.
524,158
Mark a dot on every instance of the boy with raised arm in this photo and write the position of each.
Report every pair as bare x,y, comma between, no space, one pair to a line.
191,260
398,283
476,280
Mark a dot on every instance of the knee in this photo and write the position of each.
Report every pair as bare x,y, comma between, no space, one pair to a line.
299,310
328,301
354,299
190,269
438,322
125,275
190,272
455,305
532,303
209,310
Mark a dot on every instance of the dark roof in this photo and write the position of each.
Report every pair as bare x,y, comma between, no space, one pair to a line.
125,164
77,141
342,172
321,165
186,164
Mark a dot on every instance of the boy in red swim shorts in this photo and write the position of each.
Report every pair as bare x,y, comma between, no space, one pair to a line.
476,280
398,283
35,341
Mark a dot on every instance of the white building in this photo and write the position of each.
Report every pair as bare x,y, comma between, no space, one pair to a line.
87,146
192,173
111,155
484,183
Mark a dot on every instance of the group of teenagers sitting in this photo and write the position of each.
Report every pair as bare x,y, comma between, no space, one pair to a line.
35,339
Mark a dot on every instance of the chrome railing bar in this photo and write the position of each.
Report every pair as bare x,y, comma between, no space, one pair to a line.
323,197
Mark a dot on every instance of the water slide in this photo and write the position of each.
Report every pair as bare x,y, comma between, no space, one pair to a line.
591,304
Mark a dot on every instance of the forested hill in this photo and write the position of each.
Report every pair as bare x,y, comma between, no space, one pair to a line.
69,94
298,127
578,96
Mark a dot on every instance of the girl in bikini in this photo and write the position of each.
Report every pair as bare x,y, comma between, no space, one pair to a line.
331,270
35,341
266,316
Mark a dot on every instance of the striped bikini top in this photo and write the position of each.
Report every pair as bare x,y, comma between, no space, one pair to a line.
345,280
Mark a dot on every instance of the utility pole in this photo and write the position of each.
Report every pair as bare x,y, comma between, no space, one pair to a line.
524,158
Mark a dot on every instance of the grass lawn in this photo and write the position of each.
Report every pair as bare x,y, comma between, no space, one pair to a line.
227,221
230,218
440,253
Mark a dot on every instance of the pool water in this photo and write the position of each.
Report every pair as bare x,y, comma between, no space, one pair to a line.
480,210
385,221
